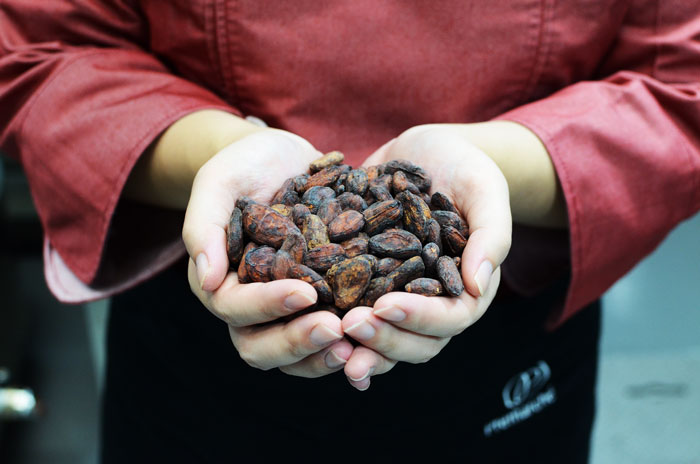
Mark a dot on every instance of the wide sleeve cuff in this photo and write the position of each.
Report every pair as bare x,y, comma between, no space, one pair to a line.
81,135
627,156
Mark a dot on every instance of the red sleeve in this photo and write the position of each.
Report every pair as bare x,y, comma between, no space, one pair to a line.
81,99
626,148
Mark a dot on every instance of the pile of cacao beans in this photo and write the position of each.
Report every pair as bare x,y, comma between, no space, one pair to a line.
353,234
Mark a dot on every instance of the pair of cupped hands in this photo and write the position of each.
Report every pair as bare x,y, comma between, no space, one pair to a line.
401,326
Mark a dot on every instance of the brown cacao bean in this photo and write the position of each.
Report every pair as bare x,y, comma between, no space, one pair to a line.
424,286
325,177
409,270
323,257
283,262
266,226
430,255
386,265
377,287
314,197
234,238
381,215
355,246
308,275
448,218
329,210
357,182
284,210
350,279
416,214
395,243
454,240
299,212
329,159
346,225
295,245
401,183
349,200
243,276
258,264
439,201
414,173
449,276
315,231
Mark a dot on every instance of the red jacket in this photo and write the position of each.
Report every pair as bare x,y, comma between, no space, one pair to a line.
612,87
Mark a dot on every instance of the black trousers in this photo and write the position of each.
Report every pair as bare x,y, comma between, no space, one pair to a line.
505,390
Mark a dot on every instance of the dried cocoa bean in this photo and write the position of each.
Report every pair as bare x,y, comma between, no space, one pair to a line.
350,279
299,212
400,183
449,276
339,186
374,171
286,195
350,200
315,231
383,181
372,261
380,193
325,177
386,265
377,287
243,276
346,225
416,214
355,246
448,218
314,197
295,245
381,215
243,202
415,174
329,210
323,257
434,234
454,240
395,243
409,270
283,263
300,183
284,210
430,255
259,262
424,286
329,159
440,201
266,226
357,182
308,275
234,238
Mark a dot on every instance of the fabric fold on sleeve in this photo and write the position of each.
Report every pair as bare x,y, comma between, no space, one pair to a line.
627,153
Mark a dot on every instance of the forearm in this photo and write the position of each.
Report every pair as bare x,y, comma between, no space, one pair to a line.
536,197
164,174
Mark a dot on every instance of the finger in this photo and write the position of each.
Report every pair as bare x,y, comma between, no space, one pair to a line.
363,364
241,305
281,344
389,340
485,201
327,361
435,316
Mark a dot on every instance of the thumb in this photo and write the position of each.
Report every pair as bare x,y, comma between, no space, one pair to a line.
204,230
490,230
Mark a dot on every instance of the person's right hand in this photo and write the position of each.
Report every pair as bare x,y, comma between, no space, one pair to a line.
256,166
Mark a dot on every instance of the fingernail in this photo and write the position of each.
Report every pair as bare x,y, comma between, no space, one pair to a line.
390,313
360,379
483,276
202,264
363,330
333,361
363,386
297,300
322,335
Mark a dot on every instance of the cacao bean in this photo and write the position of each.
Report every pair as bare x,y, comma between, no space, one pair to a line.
386,265
357,182
314,197
329,210
381,215
454,240
409,270
259,262
350,279
424,286
266,226
355,246
395,243
416,214
234,238
440,201
346,225
329,159
323,257
449,276
315,231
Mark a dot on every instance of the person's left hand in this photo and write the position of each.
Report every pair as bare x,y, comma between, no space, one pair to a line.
414,328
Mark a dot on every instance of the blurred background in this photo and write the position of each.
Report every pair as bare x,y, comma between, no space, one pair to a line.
52,355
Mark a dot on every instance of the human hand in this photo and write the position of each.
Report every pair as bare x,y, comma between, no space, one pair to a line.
414,328
256,166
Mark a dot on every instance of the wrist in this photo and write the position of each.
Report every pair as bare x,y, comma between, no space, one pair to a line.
535,193
164,174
